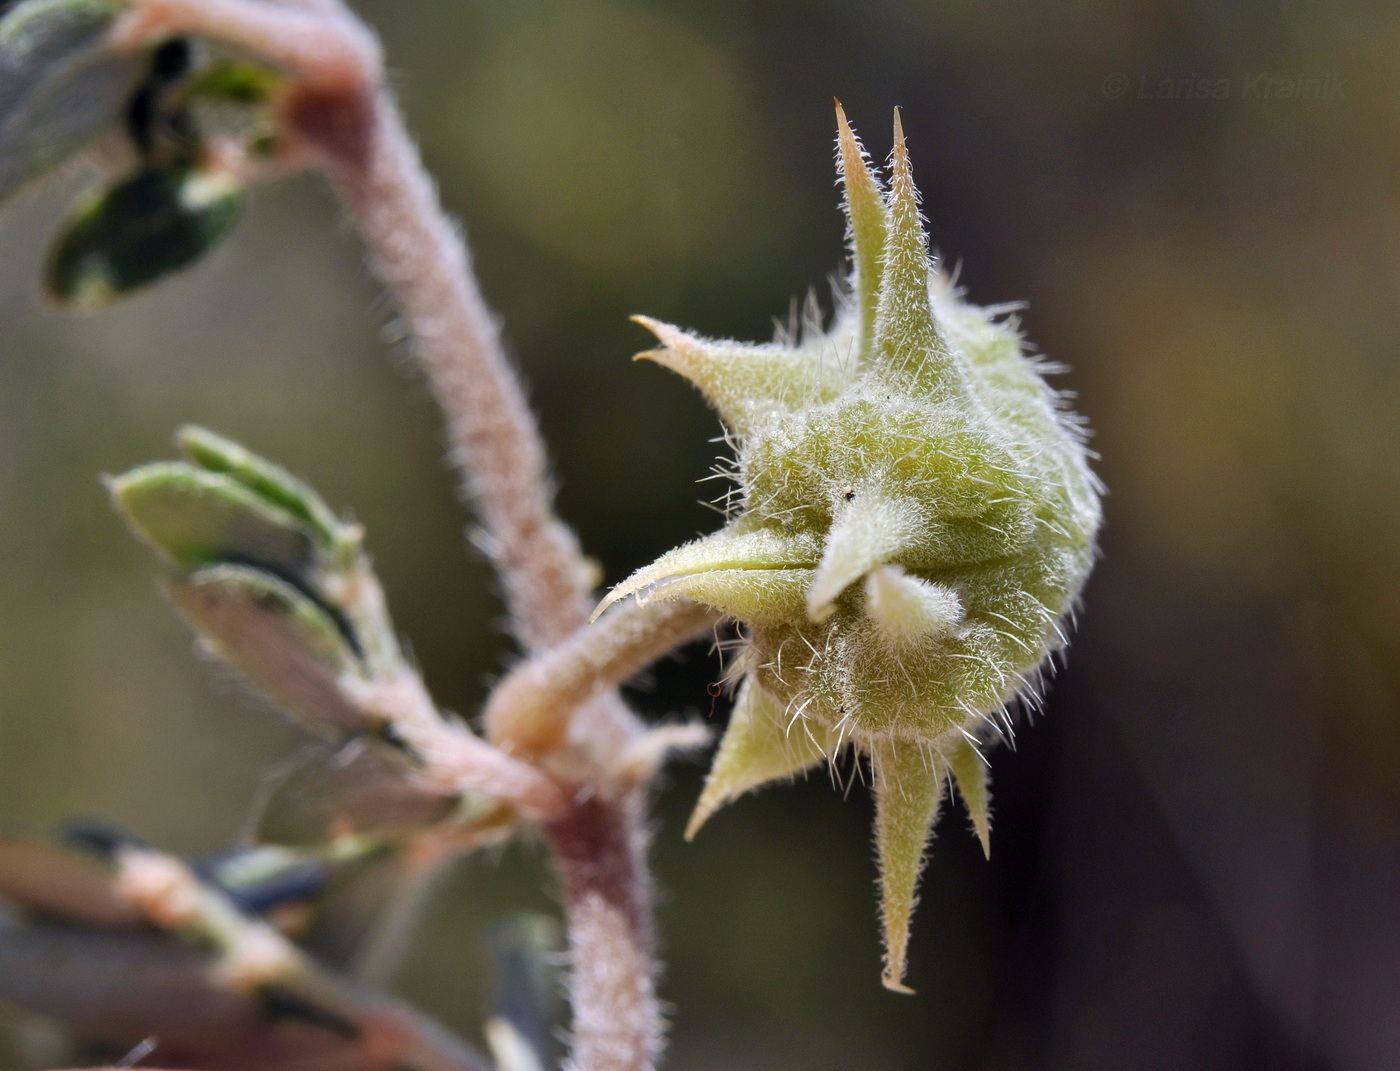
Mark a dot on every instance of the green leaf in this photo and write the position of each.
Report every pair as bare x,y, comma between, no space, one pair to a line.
287,645
367,788
271,482
59,87
194,517
150,225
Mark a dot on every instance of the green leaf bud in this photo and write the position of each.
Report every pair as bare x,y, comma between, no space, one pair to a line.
270,577
271,482
194,517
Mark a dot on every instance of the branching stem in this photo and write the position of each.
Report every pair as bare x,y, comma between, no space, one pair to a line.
253,957
599,846
456,758
321,44
529,711
337,115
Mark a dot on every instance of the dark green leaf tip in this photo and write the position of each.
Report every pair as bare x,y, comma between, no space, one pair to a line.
133,234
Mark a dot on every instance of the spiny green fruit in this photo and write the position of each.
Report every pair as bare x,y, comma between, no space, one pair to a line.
916,518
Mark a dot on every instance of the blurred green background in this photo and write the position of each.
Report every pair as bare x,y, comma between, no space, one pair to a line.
1197,848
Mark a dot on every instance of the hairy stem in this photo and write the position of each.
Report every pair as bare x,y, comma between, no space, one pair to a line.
454,756
314,38
530,710
342,115
599,844
420,255
337,115
252,958
495,442
599,849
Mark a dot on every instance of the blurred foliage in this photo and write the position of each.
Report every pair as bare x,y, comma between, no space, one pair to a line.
1196,852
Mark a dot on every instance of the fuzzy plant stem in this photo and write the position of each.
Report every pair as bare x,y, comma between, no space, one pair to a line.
421,256
341,115
531,707
252,957
338,114
600,851
599,847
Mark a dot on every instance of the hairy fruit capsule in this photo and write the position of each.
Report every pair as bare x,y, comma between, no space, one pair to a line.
916,518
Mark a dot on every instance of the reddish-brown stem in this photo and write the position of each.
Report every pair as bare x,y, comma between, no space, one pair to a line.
337,114
600,849
421,256
321,46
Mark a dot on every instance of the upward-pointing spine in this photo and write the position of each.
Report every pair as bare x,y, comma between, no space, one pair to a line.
867,224
908,343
